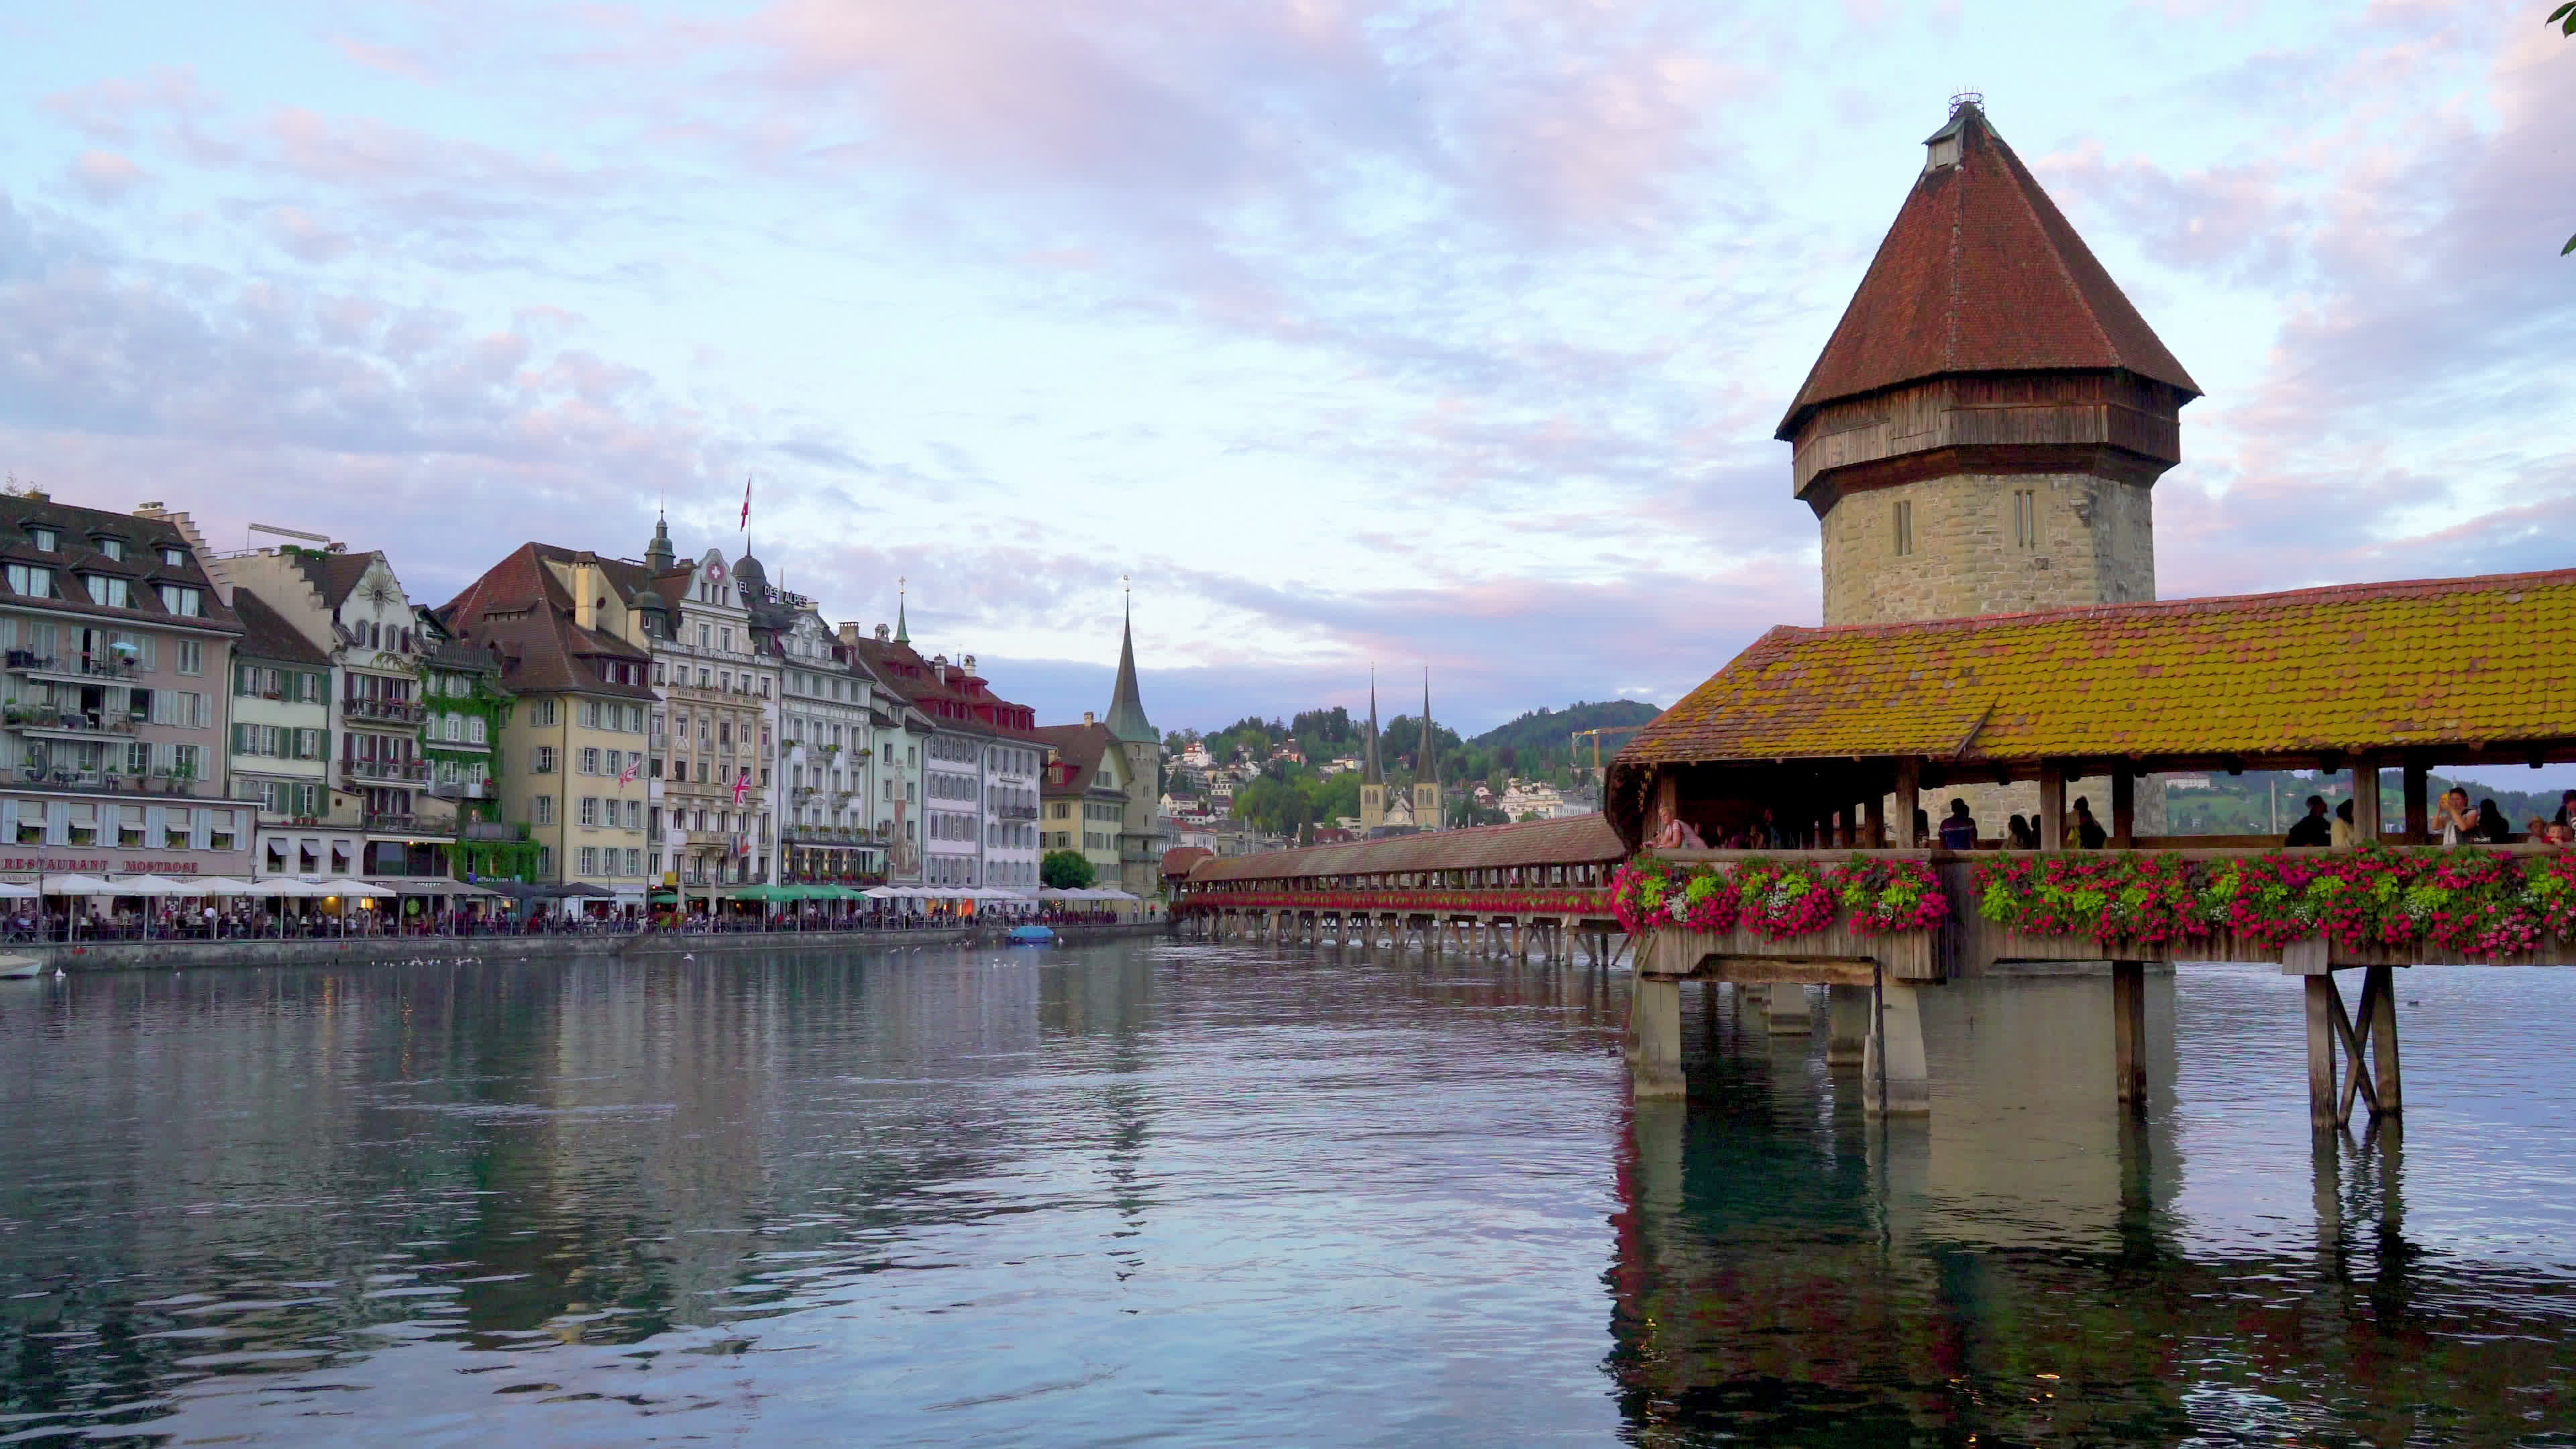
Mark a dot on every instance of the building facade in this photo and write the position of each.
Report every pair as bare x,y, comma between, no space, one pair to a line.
1087,796
980,768
827,758
574,756
280,736
115,680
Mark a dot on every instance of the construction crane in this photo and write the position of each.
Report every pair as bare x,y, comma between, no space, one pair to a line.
1575,739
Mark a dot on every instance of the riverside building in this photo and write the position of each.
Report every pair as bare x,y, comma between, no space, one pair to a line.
980,767
115,665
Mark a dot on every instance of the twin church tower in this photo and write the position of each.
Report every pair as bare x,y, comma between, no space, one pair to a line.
1982,431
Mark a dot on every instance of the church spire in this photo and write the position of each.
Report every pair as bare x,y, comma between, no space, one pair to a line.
657,554
1430,772
902,630
1127,720
1373,773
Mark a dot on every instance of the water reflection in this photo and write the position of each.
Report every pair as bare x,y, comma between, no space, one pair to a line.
1216,1193
2017,1267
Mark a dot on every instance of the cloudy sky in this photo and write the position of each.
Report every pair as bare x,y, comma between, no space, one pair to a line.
1355,332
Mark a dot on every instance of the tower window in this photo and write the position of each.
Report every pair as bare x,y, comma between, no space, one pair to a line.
1904,529
2026,517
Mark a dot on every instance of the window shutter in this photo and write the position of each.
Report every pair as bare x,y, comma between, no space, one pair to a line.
156,819
8,822
200,825
58,815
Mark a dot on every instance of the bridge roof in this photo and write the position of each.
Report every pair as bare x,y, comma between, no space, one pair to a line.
2468,663
1576,839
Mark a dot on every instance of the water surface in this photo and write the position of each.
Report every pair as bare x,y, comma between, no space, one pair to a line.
1216,1194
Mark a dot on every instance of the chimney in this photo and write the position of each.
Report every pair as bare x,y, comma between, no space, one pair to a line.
967,663
1087,719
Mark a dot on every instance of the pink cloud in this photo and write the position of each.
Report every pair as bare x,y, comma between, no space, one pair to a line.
104,176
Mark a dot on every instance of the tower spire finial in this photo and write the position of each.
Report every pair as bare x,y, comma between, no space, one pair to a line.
902,627
1126,703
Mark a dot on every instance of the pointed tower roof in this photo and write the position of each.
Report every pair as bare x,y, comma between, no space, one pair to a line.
1980,273
1430,770
658,555
1127,720
1375,772
902,629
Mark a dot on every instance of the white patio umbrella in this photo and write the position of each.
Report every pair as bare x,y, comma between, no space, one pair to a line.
347,887
76,885
218,885
155,885
12,891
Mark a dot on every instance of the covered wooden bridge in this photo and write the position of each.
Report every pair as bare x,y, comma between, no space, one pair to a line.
1541,886
1830,739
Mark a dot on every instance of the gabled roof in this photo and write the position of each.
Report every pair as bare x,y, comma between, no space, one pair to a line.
2483,661
333,575
959,701
1079,750
78,553
520,610
1981,273
268,637
1577,839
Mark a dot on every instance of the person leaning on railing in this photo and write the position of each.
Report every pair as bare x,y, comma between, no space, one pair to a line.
2312,828
2558,829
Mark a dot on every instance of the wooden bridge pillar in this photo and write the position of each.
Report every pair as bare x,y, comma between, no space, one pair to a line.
2129,1032
2366,1041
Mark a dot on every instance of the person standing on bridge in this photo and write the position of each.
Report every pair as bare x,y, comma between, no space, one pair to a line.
1959,832
2312,828
2088,832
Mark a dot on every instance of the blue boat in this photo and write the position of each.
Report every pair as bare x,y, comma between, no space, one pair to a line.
1029,936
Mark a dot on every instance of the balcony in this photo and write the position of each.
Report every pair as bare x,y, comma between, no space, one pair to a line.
381,711
40,720
398,772
399,825
464,790
494,830
69,666
1016,812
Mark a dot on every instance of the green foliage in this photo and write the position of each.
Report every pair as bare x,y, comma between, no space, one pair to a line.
1545,731
1066,870
1274,805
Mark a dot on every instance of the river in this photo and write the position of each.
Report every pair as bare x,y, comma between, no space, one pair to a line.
1208,1194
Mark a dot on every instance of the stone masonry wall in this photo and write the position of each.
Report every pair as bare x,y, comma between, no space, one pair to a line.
2096,545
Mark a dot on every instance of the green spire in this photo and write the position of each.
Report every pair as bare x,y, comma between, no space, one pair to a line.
902,631
1127,720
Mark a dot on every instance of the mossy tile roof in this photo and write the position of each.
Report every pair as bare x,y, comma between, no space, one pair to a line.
2487,660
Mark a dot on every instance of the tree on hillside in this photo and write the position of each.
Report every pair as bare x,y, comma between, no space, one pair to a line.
1066,870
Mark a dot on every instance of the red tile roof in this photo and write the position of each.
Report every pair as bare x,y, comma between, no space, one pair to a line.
1981,273
2489,660
958,700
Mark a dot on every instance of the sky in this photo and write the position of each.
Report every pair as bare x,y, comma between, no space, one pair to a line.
1407,334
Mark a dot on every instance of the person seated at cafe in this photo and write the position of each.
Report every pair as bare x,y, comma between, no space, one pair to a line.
2313,828
2088,832
2021,834
2339,835
1959,832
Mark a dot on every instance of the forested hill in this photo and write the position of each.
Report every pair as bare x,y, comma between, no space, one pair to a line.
1545,730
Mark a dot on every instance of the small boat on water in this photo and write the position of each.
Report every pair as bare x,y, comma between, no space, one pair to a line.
1029,936
20,968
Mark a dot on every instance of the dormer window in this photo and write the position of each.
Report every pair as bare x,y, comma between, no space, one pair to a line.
46,540
108,592
29,581
112,547
175,556
182,600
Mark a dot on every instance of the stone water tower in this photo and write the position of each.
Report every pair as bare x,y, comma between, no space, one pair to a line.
1984,430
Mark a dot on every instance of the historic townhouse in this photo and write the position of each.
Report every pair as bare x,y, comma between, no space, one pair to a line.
1085,796
574,757
898,744
281,747
464,710
830,822
720,689
980,768
118,652
351,606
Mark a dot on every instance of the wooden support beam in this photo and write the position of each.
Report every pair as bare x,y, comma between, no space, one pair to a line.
2124,806
1874,831
2419,805
2052,807
2129,1032
2379,1021
2365,800
1909,798
2322,1008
